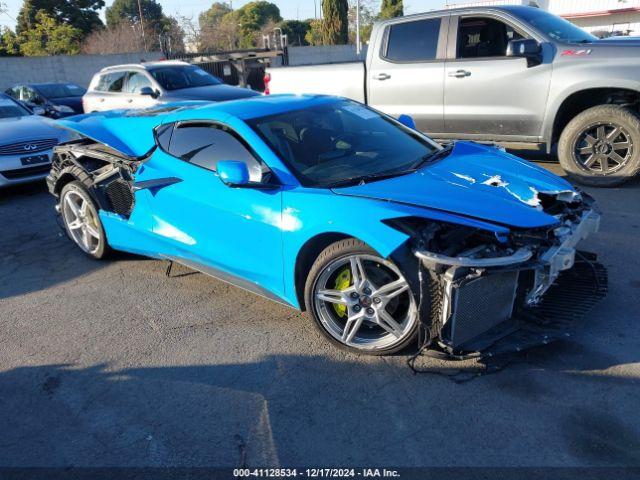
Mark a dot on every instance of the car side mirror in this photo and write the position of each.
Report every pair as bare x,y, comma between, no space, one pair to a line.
233,173
407,121
148,91
526,48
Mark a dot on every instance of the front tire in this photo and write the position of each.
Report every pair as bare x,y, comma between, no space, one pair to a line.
79,214
600,147
360,301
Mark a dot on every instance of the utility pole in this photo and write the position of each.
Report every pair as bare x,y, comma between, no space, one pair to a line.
358,46
144,39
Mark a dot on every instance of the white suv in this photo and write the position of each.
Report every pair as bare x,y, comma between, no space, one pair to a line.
147,84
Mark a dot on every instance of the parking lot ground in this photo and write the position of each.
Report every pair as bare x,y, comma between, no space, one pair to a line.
114,364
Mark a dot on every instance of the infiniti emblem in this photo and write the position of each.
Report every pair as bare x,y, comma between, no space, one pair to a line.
30,147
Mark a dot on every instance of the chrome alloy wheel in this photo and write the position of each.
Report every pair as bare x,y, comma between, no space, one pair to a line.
603,148
374,309
81,221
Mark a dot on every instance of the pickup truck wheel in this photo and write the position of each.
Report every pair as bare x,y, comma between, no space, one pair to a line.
360,301
81,221
601,146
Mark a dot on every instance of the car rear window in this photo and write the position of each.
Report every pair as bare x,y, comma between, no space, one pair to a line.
413,41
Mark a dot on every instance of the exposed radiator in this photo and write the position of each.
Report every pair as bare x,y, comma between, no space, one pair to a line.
480,304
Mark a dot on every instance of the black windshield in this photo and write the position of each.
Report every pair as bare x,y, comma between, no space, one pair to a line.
178,77
554,27
9,109
60,90
340,142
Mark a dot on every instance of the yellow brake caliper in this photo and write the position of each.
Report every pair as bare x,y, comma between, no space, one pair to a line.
343,281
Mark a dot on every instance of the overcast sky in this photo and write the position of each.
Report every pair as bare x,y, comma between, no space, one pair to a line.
289,9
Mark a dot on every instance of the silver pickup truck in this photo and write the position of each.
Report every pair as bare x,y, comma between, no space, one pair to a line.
517,76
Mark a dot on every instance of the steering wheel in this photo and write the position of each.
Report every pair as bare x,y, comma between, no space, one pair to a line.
349,138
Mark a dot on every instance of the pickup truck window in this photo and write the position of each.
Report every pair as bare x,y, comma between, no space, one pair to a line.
555,27
484,37
342,142
413,41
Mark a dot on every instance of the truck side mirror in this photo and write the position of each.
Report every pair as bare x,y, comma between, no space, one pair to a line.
407,121
526,48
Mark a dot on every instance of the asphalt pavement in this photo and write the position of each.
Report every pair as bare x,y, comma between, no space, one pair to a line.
114,364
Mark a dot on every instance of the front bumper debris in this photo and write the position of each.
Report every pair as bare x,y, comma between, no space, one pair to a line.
562,257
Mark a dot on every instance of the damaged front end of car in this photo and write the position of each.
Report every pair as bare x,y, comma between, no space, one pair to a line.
107,174
488,292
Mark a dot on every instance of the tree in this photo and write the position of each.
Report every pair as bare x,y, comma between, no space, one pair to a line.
314,35
335,25
391,9
9,43
172,37
128,9
48,37
120,38
252,18
81,14
367,18
218,28
212,17
296,31
223,35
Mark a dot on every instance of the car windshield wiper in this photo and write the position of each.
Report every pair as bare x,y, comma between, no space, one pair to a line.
432,157
362,179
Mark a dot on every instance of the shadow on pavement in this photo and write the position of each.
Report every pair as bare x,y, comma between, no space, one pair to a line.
34,251
283,410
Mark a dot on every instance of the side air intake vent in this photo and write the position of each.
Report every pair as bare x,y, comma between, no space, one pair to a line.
121,197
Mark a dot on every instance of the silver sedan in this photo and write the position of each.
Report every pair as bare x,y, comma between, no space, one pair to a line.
26,143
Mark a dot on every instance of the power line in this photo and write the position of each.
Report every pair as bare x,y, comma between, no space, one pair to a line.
5,9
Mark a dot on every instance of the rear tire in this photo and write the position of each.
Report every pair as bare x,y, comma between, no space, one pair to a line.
373,312
79,214
600,147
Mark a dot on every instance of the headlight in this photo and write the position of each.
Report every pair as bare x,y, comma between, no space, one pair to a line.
63,109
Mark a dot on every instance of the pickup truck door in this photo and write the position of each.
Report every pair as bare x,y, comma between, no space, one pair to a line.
406,74
487,95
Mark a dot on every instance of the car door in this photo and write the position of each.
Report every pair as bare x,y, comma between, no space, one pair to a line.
407,75
488,95
135,82
232,233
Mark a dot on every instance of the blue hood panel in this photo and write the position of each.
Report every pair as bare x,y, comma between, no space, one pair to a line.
126,131
475,181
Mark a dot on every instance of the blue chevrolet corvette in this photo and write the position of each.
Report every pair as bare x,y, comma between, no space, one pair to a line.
328,206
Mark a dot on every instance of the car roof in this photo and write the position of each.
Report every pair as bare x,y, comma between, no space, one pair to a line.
514,9
145,65
253,107
44,84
